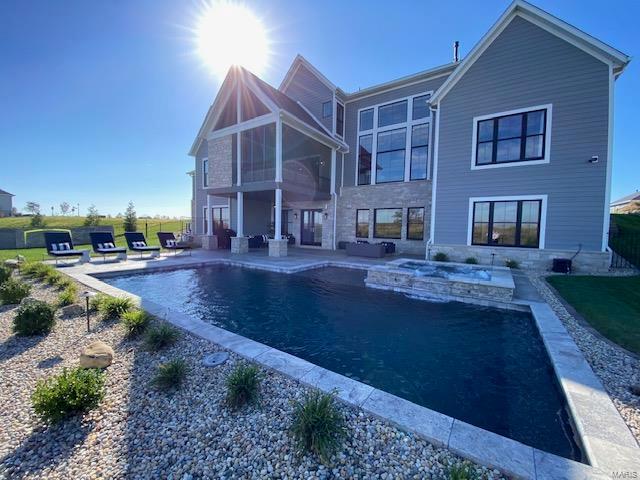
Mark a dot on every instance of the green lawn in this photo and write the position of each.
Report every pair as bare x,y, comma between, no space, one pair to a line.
610,304
148,226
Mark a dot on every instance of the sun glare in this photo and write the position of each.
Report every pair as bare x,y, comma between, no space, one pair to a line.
230,34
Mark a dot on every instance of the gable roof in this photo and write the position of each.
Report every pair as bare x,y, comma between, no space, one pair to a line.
297,62
626,199
548,22
3,192
275,98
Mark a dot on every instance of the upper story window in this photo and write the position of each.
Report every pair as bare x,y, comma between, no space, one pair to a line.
512,137
340,119
327,109
205,172
393,141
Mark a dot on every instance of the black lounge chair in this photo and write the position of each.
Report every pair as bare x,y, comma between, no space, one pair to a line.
104,244
60,245
137,243
168,242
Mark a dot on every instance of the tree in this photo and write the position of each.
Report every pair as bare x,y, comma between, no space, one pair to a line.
93,217
37,221
130,219
64,208
32,207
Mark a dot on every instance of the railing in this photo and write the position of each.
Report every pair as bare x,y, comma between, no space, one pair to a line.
626,249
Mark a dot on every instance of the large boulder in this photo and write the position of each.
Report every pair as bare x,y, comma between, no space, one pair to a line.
96,355
73,310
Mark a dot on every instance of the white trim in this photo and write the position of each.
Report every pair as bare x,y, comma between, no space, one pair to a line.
333,171
279,150
240,127
315,118
277,234
547,145
240,214
434,175
295,65
303,127
408,125
508,198
607,194
543,20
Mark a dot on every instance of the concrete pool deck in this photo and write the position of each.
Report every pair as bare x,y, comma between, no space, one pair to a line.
607,442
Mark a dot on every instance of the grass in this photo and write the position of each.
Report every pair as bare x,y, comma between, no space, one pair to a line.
243,386
135,322
611,305
39,254
160,337
170,375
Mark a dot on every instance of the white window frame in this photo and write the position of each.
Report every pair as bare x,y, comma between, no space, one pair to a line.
205,172
543,218
547,145
408,124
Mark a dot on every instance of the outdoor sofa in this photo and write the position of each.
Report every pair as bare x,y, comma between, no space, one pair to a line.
104,244
168,241
137,243
60,245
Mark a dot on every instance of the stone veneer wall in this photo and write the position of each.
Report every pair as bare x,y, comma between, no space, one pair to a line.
392,195
327,222
221,162
585,262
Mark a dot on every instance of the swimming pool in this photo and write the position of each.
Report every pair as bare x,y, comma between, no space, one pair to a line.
485,366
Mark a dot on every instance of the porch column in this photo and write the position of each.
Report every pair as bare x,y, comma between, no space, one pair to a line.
208,216
240,229
277,244
279,150
240,243
209,240
278,232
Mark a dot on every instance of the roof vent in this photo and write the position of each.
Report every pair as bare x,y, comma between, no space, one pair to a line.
456,46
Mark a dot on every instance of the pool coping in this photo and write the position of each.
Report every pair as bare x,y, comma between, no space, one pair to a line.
606,440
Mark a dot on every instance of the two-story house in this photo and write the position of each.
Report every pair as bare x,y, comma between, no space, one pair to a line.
505,154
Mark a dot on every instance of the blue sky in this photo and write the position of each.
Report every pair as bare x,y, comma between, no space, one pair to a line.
101,100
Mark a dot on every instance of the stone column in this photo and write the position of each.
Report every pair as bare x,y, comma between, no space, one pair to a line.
210,242
278,247
239,245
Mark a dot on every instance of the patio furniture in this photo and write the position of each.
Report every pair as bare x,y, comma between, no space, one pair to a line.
370,250
259,241
168,241
224,238
104,244
389,247
137,243
60,245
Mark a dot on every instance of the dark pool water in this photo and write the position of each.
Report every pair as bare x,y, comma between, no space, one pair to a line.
485,366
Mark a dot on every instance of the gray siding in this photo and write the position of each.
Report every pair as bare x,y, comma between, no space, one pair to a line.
351,118
5,205
307,89
527,66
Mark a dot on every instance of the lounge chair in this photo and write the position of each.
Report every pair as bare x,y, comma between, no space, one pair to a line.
60,245
168,242
104,244
137,243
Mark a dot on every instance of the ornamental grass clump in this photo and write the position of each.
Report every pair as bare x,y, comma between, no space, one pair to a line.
114,307
34,318
461,471
53,277
243,386
170,375
13,291
35,269
512,263
318,426
68,296
5,274
471,260
160,337
135,322
441,257
73,391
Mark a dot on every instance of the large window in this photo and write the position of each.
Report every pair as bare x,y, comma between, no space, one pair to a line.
415,223
259,154
340,119
205,173
394,138
362,223
518,137
387,223
220,218
390,156
364,159
507,223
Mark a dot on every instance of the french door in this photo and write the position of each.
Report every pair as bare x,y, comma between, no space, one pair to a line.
311,227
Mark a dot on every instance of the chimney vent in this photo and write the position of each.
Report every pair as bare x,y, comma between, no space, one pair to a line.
456,46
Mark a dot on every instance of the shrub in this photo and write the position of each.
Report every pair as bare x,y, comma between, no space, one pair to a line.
318,426
441,257
461,472
65,283
160,337
68,296
170,375
5,274
34,318
243,385
95,302
135,322
30,269
13,291
44,271
471,260
114,307
512,264
53,277
73,391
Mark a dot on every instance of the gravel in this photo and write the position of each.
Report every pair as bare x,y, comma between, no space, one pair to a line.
138,432
618,370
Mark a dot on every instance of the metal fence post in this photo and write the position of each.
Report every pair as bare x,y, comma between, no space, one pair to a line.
146,229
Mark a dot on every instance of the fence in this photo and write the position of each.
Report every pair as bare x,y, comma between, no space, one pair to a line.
626,249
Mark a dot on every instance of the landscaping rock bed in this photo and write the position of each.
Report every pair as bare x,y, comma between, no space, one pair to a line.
139,432
618,370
